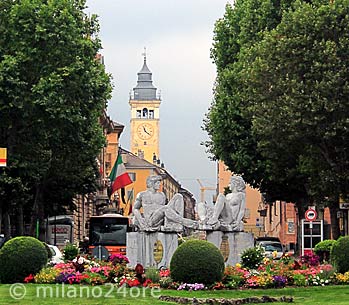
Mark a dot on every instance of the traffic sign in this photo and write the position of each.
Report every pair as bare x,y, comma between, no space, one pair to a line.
3,157
310,215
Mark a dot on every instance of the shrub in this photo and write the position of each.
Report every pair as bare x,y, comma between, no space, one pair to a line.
70,251
310,260
21,256
299,280
152,274
165,282
323,249
252,257
339,254
197,261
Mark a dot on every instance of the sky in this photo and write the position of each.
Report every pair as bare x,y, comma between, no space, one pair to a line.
178,36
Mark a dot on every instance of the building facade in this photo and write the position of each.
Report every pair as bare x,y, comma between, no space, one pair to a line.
91,204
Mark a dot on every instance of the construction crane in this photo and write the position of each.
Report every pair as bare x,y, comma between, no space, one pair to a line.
203,189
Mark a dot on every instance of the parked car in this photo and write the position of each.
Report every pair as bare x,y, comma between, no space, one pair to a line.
271,245
57,256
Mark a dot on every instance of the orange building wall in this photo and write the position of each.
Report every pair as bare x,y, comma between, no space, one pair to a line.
281,220
111,151
254,222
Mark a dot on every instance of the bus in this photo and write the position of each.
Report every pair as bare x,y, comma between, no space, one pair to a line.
59,230
109,231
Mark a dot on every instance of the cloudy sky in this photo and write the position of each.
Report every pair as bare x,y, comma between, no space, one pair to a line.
177,35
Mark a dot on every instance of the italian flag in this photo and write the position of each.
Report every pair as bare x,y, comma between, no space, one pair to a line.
118,176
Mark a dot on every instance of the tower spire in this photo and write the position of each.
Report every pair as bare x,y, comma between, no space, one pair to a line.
145,89
144,54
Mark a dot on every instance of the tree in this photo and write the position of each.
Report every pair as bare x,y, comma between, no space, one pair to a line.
229,123
298,86
52,92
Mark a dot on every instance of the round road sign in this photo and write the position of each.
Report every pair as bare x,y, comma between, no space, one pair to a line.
310,215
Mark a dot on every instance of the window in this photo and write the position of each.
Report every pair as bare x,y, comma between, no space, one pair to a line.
151,114
145,113
132,176
139,114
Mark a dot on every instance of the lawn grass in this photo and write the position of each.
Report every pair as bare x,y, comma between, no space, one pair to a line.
102,295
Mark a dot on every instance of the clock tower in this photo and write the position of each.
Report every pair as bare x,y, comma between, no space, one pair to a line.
145,116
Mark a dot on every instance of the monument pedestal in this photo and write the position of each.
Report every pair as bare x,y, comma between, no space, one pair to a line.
231,244
150,249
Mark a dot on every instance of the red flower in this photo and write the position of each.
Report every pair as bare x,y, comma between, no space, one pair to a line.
29,279
133,283
139,269
147,282
296,265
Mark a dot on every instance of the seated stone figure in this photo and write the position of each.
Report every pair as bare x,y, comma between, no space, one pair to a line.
228,212
157,215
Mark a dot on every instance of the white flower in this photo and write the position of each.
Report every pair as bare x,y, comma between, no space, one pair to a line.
81,260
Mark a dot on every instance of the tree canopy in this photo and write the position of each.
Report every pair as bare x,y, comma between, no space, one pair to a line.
53,91
280,112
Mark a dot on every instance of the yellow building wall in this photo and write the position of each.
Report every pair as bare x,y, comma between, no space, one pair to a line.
151,145
148,146
136,187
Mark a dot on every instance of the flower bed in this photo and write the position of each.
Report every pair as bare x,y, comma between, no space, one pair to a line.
305,271
84,270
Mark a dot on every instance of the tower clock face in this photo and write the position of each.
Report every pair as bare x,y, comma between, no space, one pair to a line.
145,131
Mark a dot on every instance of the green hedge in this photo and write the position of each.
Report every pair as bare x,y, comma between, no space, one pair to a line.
21,256
339,254
197,261
323,249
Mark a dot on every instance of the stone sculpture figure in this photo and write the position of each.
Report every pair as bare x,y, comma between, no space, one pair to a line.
228,212
157,215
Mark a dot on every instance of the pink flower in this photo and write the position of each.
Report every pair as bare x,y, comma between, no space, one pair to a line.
164,272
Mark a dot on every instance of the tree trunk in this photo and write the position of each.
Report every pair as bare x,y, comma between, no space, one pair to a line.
20,221
38,210
335,231
0,219
7,225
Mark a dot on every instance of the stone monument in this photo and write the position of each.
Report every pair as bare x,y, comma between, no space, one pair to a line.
223,222
155,240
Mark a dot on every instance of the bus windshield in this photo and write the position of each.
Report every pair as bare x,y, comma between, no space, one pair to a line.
108,231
